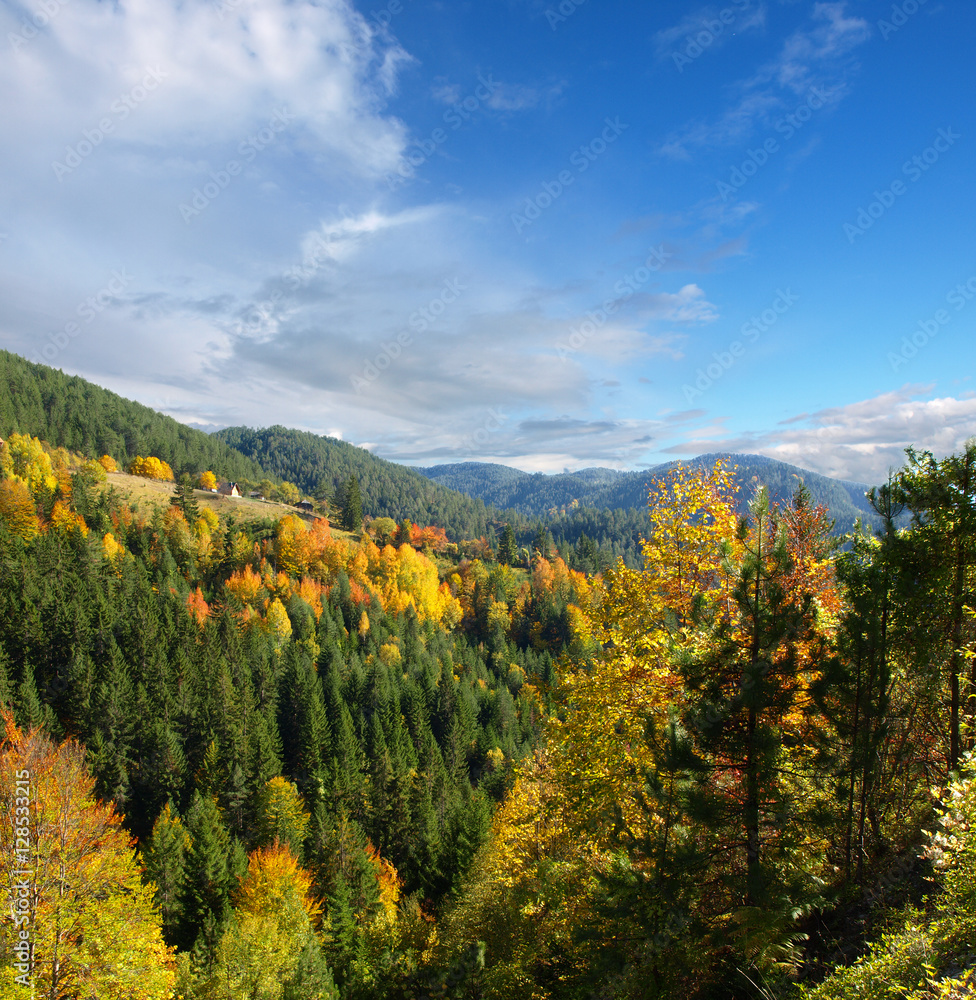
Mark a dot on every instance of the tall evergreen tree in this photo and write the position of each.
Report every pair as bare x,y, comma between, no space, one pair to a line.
164,860
942,499
542,542
742,689
508,549
184,499
209,875
352,506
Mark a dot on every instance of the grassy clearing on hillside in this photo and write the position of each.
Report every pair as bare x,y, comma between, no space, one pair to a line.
148,493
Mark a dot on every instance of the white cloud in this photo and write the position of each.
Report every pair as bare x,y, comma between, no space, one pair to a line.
219,77
833,35
709,19
813,56
445,92
860,441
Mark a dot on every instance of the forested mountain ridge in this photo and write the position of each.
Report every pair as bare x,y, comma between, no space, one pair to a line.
69,412
539,495
319,466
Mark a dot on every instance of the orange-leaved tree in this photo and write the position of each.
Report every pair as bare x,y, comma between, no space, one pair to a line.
82,923
18,510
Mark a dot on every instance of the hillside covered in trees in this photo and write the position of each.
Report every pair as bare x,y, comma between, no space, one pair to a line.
595,508
536,494
276,760
247,689
319,466
70,412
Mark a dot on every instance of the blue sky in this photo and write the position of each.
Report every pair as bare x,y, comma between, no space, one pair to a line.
548,234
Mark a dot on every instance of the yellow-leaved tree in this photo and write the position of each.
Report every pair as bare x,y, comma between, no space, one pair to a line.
32,464
281,816
278,623
82,924
270,941
583,833
644,620
529,890
293,545
150,468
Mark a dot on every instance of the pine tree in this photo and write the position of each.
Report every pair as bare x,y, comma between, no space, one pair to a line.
854,689
741,690
942,499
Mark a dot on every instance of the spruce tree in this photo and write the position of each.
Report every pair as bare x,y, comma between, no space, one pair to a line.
209,875
403,531
184,499
343,942
542,542
508,549
352,508
312,978
164,859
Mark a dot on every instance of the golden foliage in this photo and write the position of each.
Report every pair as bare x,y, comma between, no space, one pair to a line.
245,585
32,464
150,468
65,520
17,509
92,472
278,623
293,546
387,880
69,866
113,551
198,607
281,815
272,924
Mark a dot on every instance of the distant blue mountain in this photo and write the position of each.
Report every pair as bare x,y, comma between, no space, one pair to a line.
537,494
